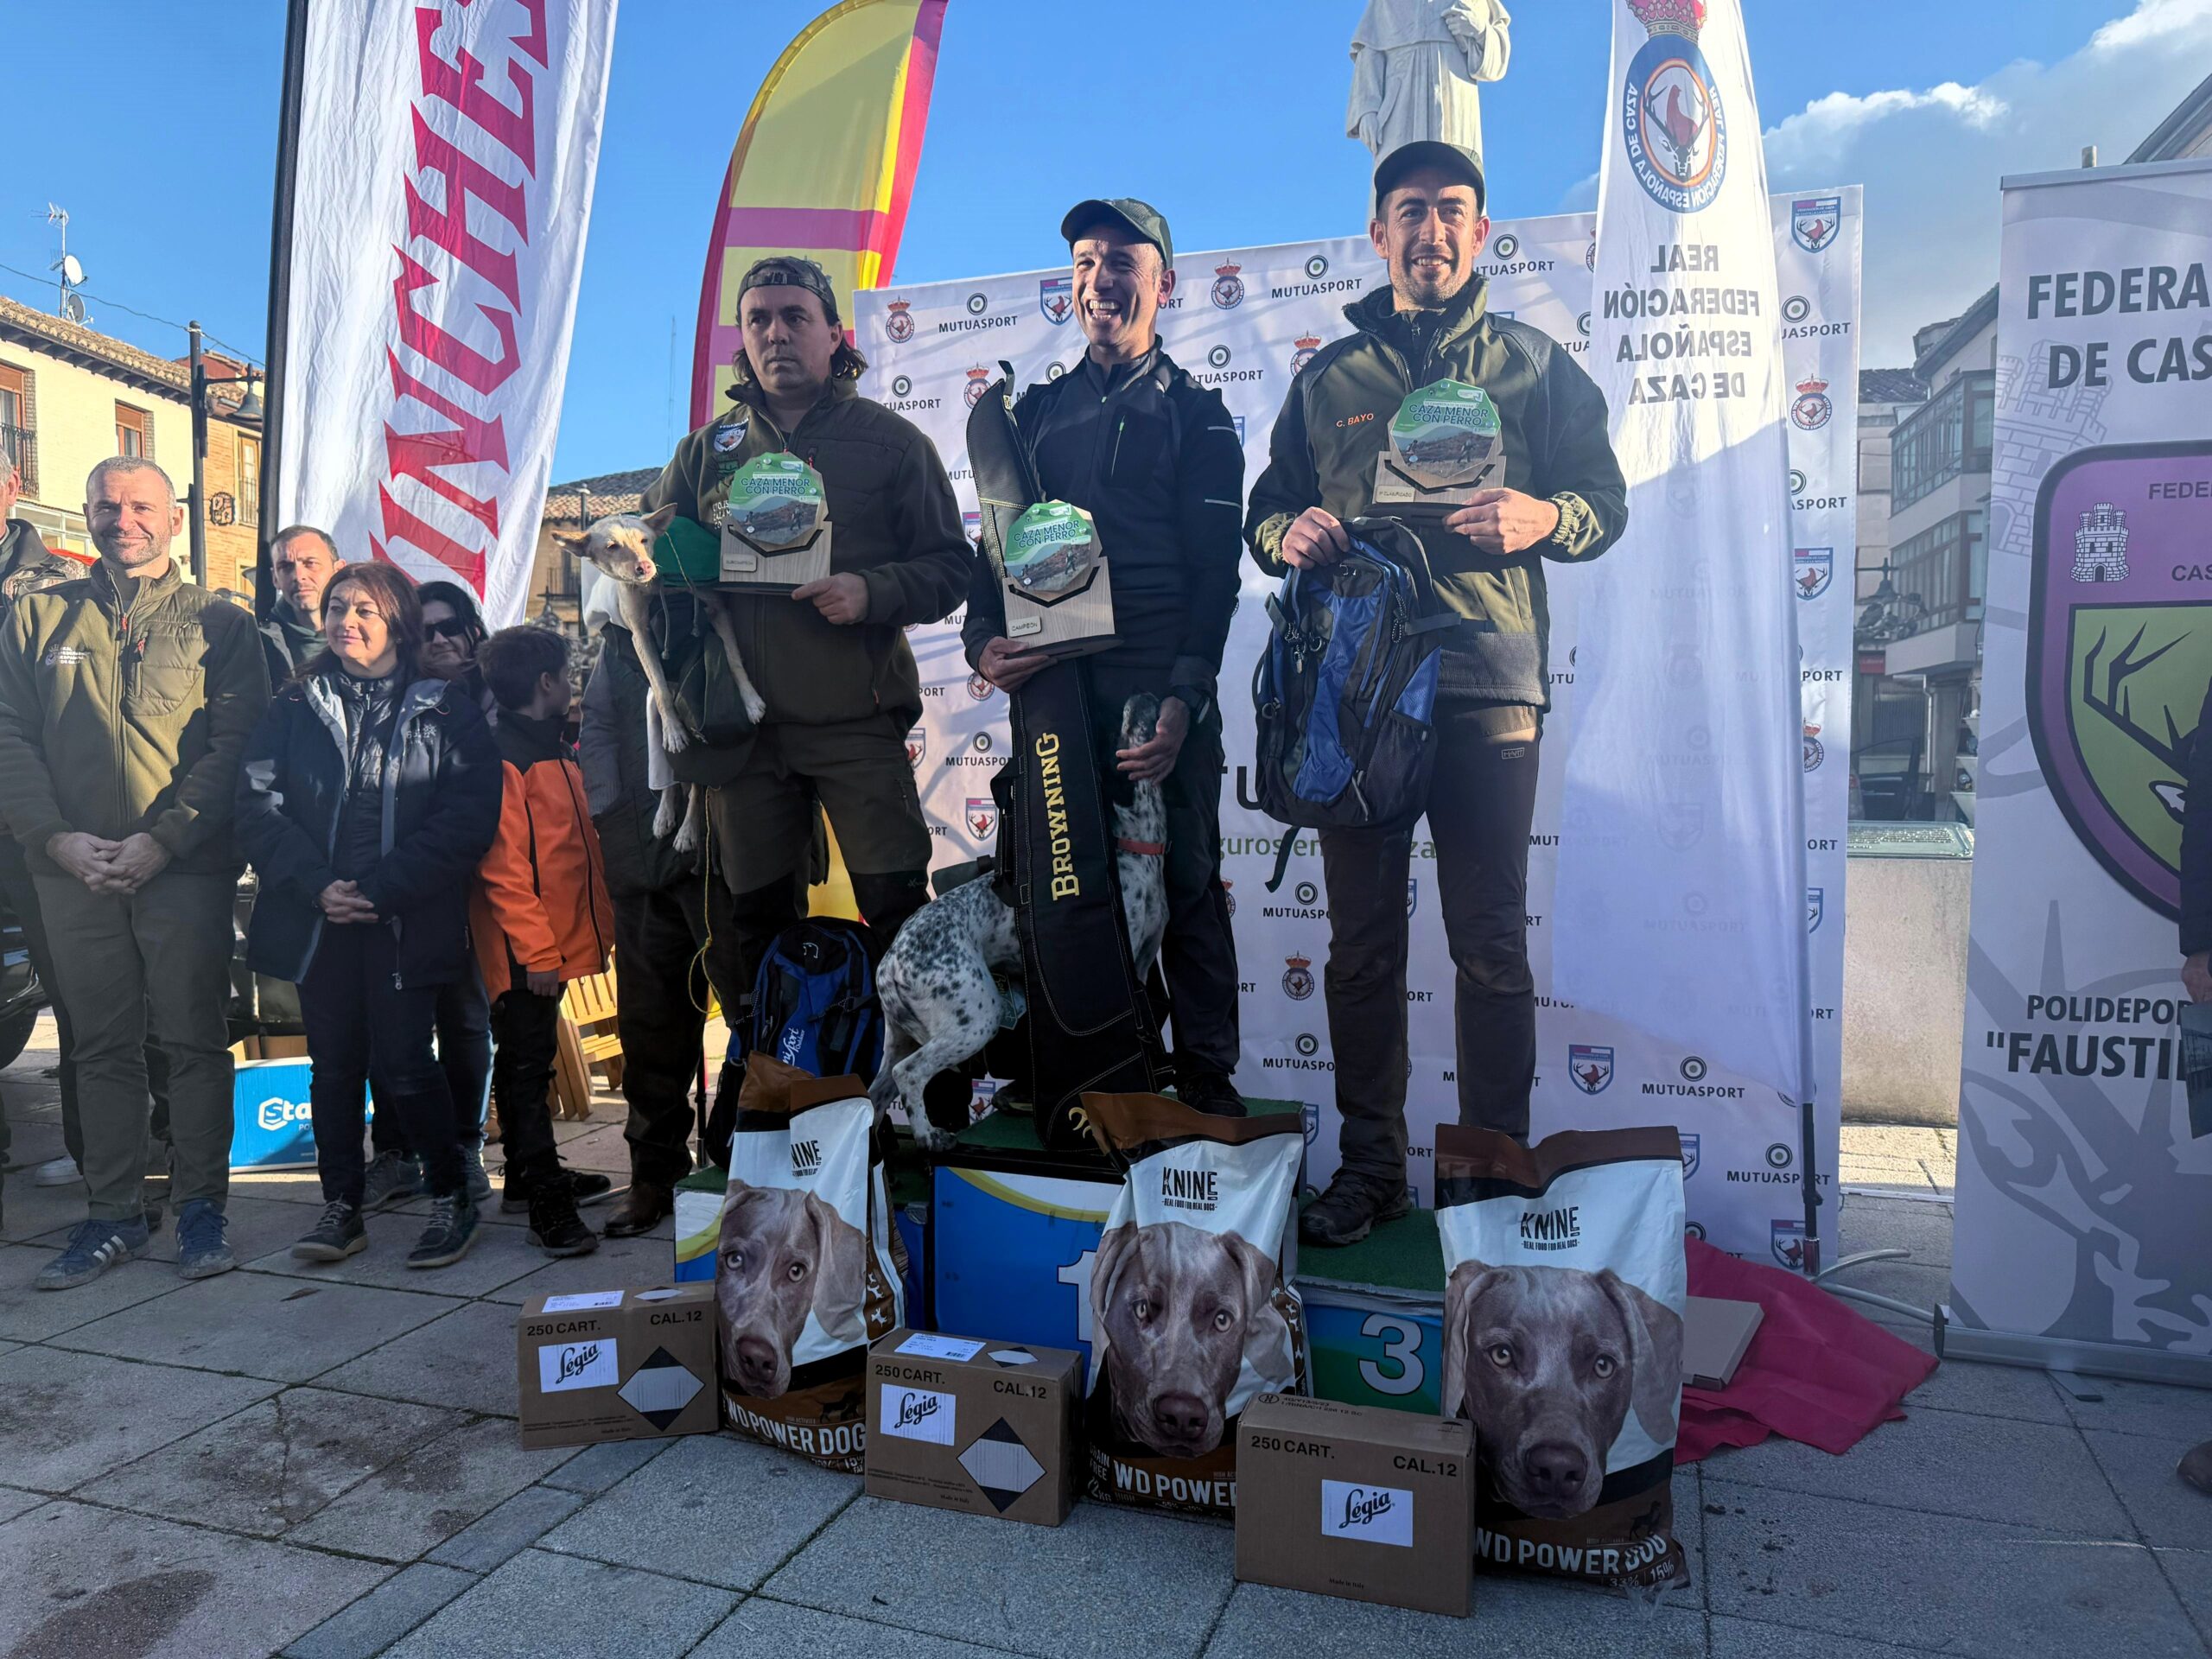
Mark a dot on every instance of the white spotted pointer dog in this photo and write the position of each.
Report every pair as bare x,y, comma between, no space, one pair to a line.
621,545
940,1005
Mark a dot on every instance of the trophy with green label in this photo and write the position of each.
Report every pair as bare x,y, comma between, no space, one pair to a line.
1051,568
775,526
1445,445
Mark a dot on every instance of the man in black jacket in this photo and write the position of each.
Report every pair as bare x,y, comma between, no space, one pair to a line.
1153,457
301,562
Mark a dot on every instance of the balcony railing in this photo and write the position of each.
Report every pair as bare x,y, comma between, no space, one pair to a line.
21,444
1945,438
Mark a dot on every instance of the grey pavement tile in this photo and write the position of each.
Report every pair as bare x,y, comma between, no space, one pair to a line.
65,1418
761,1629
618,1262
2189,1572
386,1614
259,1325
466,1360
435,1491
275,1464
604,1149
1922,1285
1906,1175
540,1603
254,1226
1949,1463
13,1503
1107,1581
278,1185
713,1508
1990,1391
514,1526
2166,1509
39,1211
1959,1585
1748,1638
598,1467
498,1255
1511,1615
93,1581
31,1315
1870,1224
2159,1411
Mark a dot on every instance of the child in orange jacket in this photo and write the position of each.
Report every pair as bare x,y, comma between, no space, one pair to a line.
540,914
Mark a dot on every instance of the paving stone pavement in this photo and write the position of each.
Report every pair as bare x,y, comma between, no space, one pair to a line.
321,1462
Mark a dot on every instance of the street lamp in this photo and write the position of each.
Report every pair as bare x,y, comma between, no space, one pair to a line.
248,409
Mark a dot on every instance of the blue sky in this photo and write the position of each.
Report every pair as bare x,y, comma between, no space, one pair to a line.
1226,113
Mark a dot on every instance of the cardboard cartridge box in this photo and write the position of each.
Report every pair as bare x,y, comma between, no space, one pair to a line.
1356,1501
616,1365
984,1427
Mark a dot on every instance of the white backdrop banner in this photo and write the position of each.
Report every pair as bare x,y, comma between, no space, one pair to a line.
1678,900
2084,1205
1243,322
445,153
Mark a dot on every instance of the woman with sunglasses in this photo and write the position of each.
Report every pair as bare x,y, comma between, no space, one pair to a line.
368,795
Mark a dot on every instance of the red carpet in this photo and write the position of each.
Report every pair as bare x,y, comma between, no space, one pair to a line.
1816,1372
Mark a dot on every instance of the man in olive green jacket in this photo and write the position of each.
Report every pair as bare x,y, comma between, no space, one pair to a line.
125,699
831,659
1560,497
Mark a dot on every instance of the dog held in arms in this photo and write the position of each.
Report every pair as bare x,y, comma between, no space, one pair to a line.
621,545
940,1005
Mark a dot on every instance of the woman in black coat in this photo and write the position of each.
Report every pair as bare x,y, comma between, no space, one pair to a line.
367,797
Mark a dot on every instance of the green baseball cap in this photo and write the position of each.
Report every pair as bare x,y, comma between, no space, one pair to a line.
1140,219
1463,164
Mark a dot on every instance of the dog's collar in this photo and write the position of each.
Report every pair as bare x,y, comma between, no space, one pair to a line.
1142,848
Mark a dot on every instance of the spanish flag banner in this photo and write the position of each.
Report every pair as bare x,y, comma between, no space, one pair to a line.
824,165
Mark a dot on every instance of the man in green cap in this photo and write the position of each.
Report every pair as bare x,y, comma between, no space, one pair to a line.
1153,456
831,659
1561,497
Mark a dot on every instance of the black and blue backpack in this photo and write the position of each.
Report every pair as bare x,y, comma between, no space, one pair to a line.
814,1003
1345,692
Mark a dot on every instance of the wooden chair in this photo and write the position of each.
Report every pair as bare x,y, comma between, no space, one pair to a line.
589,1005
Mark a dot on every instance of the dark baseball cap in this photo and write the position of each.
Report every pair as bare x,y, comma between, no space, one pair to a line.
1462,164
789,270
1140,219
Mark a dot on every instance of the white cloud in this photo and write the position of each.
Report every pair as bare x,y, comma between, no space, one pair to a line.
1932,159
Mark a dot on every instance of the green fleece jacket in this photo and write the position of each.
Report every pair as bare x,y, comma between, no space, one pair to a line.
115,719
1335,422
895,522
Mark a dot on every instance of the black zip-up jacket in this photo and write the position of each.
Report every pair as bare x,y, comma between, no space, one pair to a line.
611,749
1153,456
440,783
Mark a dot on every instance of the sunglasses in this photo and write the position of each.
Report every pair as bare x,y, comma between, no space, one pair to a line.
451,627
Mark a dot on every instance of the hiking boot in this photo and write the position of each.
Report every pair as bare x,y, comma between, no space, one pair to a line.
1211,1093
1351,1208
472,1167
2196,1467
451,1231
201,1251
585,1186
393,1178
93,1248
640,1209
555,1227
338,1234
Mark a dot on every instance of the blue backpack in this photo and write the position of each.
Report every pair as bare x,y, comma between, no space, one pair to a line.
814,1002
1345,689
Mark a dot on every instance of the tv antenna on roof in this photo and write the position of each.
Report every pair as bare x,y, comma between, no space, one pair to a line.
72,306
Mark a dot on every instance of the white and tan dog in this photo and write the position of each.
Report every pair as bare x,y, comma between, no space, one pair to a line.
621,545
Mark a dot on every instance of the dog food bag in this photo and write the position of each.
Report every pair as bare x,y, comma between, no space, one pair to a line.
1564,1290
806,1272
1191,1311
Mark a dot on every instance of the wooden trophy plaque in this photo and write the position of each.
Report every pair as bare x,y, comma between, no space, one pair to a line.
775,526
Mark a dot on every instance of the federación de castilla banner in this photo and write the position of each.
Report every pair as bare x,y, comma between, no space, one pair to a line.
1244,322
445,158
2085,1205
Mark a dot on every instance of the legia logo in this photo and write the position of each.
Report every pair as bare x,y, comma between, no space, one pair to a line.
1362,1506
916,1408
1672,124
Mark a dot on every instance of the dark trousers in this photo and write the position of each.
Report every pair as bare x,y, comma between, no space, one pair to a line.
525,1041
1198,953
19,893
1480,805
360,1020
885,902
464,1032
671,945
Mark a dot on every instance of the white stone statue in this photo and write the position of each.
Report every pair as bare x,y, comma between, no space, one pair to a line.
1414,64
